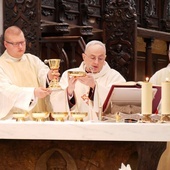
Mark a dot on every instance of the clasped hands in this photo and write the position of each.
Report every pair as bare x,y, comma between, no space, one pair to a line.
42,92
87,80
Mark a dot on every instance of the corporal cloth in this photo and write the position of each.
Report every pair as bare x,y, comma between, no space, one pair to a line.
18,78
104,80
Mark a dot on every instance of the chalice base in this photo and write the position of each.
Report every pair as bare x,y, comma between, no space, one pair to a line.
79,116
59,119
40,119
79,120
146,118
20,119
54,84
165,118
40,116
59,116
19,116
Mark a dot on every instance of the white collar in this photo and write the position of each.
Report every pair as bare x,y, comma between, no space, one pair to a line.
10,58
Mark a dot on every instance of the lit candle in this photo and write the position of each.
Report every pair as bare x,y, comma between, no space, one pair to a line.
165,103
146,105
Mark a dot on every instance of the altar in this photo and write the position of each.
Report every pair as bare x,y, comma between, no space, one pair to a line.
81,145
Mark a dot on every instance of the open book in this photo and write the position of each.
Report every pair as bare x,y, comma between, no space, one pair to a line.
129,93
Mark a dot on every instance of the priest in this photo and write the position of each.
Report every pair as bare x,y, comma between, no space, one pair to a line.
87,91
23,77
157,78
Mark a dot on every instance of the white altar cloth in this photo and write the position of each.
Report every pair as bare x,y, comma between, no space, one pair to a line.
91,131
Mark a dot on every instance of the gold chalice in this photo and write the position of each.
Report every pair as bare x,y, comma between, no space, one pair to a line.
20,115
59,116
54,64
76,73
40,116
79,116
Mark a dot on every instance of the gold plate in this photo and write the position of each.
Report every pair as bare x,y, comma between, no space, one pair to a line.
77,73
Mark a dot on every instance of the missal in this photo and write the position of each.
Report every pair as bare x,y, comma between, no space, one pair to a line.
128,95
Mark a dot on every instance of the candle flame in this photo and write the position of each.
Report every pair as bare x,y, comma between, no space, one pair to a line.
167,79
147,79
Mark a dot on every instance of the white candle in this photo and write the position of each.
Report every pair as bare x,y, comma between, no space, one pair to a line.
146,105
165,103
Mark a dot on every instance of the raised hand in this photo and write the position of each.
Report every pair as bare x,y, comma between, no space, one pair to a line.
87,80
71,85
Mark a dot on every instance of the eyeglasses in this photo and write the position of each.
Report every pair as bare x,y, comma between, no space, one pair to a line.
16,44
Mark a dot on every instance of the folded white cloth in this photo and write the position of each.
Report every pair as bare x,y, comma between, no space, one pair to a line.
123,167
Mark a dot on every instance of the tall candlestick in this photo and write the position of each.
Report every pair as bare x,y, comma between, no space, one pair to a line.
146,98
165,104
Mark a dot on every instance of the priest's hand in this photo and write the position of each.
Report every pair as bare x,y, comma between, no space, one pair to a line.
41,92
53,74
71,85
88,80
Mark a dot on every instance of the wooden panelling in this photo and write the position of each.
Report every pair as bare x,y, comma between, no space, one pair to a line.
119,24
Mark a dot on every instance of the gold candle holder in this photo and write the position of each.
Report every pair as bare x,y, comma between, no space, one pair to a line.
146,118
165,118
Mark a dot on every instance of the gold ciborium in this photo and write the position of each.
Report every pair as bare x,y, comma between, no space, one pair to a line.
78,116
20,115
40,116
54,64
59,116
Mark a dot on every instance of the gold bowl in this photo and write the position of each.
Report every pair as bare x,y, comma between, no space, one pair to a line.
19,115
59,116
77,73
40,116
79,116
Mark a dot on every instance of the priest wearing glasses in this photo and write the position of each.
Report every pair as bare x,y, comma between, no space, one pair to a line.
23,77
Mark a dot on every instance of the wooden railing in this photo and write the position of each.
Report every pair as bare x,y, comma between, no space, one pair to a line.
149,36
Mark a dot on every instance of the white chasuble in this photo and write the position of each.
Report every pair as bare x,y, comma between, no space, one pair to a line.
104,80
18,78
159,77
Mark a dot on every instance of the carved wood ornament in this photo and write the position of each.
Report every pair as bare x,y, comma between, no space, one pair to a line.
120,31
